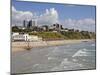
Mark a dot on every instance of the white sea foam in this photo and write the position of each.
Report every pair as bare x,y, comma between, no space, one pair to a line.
80,65
74,60
35,65
51,58
62,66
92,44
64,61
80,53
67,65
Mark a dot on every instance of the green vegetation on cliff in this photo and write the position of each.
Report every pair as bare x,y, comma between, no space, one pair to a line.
79,35
49,35
64,35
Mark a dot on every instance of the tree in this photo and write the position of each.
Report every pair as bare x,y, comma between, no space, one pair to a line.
46,27
15,29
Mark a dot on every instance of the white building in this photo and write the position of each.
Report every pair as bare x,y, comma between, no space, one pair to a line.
64,30
34,22
19,37
25,37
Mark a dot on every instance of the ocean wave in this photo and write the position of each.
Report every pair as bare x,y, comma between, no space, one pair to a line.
35,65
70,64
67,65
80,53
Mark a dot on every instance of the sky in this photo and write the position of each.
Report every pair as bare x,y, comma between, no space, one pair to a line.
80,17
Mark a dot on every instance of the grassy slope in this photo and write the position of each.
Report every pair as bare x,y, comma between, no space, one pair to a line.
63,35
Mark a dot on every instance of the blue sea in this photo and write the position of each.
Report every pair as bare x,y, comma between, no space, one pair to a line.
77,56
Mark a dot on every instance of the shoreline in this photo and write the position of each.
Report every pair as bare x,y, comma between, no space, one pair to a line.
21,46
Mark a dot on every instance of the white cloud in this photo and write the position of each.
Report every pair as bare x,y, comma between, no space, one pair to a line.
87,21
19,16
49,17
82,24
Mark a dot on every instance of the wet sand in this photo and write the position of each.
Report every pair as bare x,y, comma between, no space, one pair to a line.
21,46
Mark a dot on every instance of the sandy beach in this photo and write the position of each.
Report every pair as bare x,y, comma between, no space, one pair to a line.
21,46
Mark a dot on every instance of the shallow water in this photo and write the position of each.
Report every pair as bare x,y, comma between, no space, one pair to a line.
56,58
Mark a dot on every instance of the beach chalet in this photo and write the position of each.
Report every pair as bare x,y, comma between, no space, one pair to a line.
25,37
19,37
